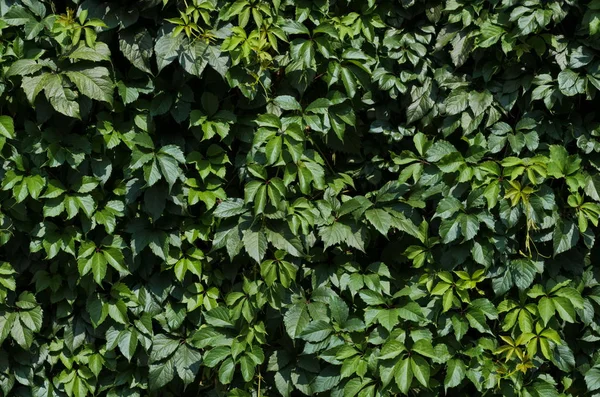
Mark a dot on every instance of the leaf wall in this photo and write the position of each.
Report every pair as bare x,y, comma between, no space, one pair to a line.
322,198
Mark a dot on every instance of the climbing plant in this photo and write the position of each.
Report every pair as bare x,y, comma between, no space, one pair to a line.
285,198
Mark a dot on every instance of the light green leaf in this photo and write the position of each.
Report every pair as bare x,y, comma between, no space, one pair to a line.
273,149
403,374
226,371
247,368
455,373
592,379
7,127
420,369
98,267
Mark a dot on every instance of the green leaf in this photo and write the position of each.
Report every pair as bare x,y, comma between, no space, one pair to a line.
592,379
420,369
226,371
255,244
118,312
137,46
100,52
32,86
287,102
61,100
128,341
568,82
152,173
273,149
217,60
230,208
160,374
564,308
403,374
247,368
216,355
592,187
296,319
115,258
98,267
456,102
316,331
462,45
380,219
334,234
455,373
391,349
193,57
565,236
162,347
21,334
7,127
167,49
469,225
490,34
168,168
94,83
187,363
17,16
424,348
523,272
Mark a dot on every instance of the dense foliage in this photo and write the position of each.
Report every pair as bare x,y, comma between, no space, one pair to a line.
329,197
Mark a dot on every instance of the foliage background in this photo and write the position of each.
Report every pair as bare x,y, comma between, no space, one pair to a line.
334,198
